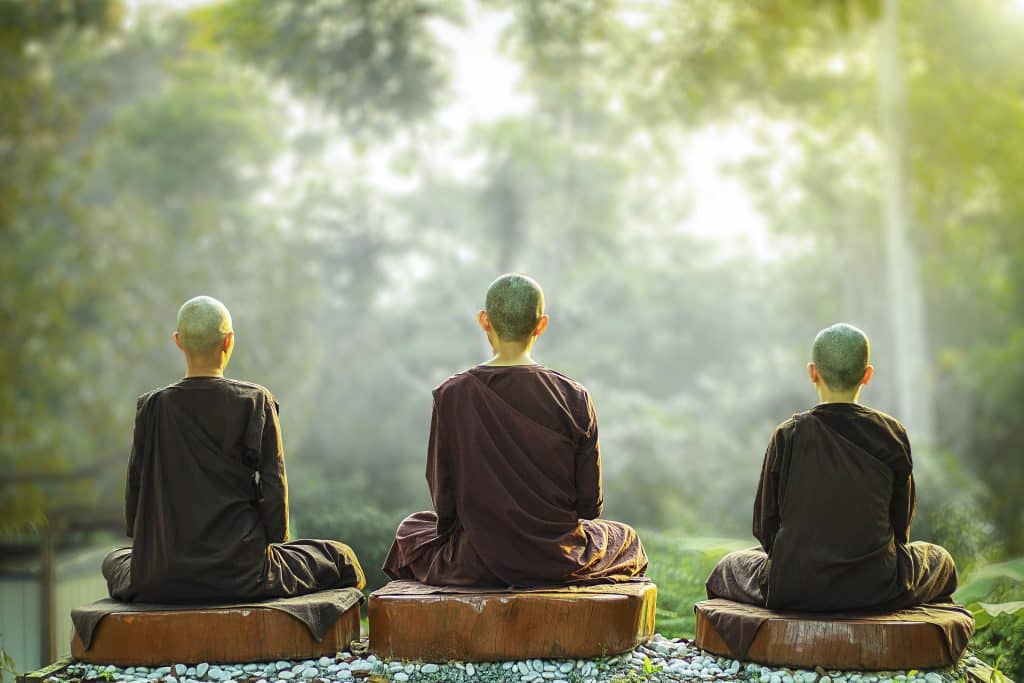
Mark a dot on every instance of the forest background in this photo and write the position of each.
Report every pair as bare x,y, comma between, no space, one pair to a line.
699,185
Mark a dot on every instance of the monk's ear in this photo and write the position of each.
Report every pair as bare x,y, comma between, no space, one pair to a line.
177,340
542,325
483,321
812,372
869,372
229,341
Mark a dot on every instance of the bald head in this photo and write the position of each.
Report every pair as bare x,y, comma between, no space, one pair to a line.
841,354
203,322
514,305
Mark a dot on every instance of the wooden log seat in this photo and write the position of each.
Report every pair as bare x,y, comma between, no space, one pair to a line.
256,632
409,620
923,637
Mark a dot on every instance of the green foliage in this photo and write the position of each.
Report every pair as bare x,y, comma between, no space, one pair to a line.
960,525
999,578
364,528
995,595
374,63
7,664
680,565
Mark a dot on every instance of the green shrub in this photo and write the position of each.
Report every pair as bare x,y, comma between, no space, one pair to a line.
679,565
366,529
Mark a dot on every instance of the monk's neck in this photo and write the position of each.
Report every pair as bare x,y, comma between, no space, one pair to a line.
200,369
510,353
827,396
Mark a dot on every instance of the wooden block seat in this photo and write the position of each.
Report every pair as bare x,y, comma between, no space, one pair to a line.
924,637
409,620
254,632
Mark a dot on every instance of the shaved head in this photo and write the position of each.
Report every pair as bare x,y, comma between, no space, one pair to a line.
841,354
203,323
514,305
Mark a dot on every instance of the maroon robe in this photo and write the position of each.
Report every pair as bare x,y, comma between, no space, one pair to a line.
206,503
514,471
833,513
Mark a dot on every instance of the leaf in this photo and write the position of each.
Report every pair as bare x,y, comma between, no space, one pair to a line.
997,608
985,580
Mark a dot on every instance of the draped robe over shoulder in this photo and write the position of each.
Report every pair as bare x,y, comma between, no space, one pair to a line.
513,467
206,503
833,513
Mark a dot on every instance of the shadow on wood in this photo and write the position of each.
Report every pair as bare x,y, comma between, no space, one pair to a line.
863,643
508,625
222,634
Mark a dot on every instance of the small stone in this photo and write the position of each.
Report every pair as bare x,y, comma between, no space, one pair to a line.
282,665
825,679
286,675
434,668
180,670
310,672
325,661
401,677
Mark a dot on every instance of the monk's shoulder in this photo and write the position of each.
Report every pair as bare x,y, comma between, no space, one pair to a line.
789,427
570,385
885,418
250,390
451,384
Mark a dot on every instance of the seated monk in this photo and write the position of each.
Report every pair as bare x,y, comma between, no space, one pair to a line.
514,470
207,497
835,502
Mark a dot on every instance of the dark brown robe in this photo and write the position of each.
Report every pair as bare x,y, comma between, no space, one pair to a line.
833,513
514,471
206,503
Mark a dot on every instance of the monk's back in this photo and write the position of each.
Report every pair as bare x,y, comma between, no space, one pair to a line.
196,521
835,547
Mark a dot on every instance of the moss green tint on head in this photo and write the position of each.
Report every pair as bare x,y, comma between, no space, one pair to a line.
202,323
841,353
514,305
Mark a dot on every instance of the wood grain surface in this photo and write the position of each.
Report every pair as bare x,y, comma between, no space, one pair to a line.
861,643
210,635
502,626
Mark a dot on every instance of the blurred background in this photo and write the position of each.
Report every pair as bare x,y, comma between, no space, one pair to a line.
699,185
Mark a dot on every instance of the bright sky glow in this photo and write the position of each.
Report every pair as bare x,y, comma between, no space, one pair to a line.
485,88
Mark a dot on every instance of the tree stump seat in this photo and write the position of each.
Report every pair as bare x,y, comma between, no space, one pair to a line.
924,637
257,632
411,621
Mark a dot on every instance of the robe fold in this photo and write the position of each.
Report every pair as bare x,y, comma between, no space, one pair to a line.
514,471
206,503
833,512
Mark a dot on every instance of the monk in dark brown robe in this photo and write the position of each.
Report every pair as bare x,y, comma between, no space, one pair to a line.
835,503
207,496
514,470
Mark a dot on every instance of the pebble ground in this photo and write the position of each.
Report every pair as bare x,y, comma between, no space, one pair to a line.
662,659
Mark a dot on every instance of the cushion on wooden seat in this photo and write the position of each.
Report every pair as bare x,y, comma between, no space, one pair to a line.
411,621
923,637
128,634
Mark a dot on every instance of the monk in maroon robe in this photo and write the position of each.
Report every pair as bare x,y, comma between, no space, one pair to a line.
514,470
207,496
835,503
